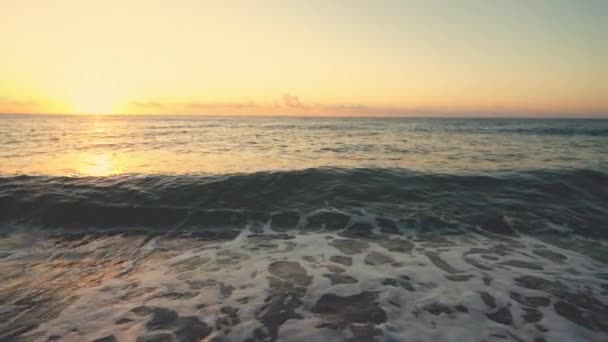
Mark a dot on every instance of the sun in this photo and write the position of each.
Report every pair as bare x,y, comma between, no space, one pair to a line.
93,103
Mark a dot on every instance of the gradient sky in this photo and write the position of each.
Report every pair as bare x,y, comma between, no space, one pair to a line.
325,57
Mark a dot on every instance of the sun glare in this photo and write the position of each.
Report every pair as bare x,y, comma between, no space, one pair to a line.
93,103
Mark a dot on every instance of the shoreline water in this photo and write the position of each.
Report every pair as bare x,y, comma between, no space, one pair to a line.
364,281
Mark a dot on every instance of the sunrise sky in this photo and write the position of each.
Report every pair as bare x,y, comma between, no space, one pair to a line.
325,57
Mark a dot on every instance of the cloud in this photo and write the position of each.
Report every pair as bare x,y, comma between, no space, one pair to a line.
292,105
223,105
193,105
15,102
292,101
10,105
286,104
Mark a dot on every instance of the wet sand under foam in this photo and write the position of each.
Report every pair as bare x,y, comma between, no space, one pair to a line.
361,283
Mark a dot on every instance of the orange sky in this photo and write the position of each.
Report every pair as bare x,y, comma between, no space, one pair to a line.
304,58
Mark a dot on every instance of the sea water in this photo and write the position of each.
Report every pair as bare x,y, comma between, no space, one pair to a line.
163,228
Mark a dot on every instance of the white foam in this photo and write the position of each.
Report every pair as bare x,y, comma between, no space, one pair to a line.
133,272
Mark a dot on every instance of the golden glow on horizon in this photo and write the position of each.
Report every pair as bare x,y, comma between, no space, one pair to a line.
92,103
283,57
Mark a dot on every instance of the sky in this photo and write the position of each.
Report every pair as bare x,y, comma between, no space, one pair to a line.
314,57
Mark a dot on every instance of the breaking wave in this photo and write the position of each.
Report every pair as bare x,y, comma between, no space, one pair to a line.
537,201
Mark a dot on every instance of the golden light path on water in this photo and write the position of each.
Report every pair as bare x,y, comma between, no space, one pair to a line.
99,165
109,164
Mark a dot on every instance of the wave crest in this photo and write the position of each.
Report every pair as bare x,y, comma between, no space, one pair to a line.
537,201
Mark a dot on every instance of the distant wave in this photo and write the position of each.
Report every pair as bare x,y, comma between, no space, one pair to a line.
541,130
533,202
473,126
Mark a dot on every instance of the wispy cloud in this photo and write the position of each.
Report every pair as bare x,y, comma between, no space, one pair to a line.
16,102
290,104
11,105
286,104
194,105
292,101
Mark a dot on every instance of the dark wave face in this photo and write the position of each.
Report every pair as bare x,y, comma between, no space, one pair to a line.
559,201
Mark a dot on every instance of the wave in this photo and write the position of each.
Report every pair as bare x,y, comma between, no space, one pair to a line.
584,131
531,202
540,130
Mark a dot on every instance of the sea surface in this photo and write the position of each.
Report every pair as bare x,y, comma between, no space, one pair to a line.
176,228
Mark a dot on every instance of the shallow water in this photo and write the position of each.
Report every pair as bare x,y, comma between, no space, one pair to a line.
183,228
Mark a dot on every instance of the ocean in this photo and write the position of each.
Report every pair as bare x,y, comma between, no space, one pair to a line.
185,228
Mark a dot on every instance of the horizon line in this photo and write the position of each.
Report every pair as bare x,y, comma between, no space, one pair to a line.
598,116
